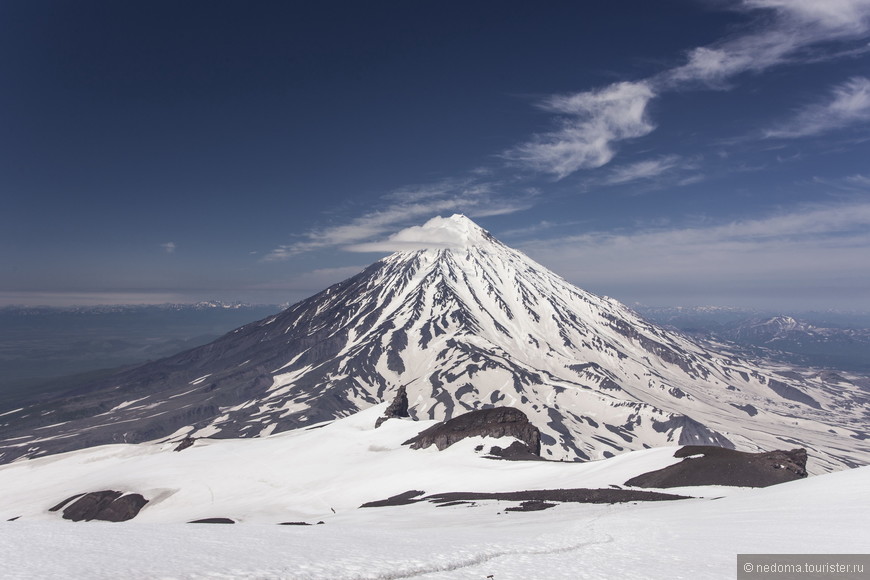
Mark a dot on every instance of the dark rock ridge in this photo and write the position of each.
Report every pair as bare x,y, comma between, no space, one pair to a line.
719,466
404,498
516,451
495,422
398,408
578,495
530,506
213,521
106,506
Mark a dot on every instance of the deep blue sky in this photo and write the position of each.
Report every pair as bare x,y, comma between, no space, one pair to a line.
677,152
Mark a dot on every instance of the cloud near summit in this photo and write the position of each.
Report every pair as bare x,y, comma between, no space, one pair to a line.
402,208
437,233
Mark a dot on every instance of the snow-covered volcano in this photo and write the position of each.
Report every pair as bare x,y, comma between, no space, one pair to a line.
463,322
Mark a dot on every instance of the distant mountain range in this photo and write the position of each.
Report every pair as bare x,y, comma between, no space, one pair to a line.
835,340
464,324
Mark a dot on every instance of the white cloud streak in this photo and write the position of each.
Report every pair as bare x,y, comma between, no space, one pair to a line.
849,104
591,125
168,247
860,181
646,169
840,17
797,26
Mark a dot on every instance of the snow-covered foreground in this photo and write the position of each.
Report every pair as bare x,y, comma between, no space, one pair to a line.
688,539
325,474
307,474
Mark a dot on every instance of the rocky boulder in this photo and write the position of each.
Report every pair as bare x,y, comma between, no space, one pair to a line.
495,422
106,506
185,443
707,465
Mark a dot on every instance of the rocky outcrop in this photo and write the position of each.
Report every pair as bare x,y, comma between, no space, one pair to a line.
398,408
516,451
405,498
533,496
106,506
185,443
707,465
495,422
530,506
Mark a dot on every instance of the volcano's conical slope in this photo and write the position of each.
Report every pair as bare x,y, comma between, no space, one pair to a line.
465,324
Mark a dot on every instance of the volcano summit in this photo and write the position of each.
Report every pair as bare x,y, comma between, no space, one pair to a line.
463,322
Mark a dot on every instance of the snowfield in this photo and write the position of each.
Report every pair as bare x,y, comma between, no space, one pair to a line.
691,539
326,473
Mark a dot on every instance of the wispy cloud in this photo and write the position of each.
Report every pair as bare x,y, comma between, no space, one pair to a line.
832,17
406,207
859,180
537,229
790,31
646,169
168,247
591,123
849,104
857,184
801,250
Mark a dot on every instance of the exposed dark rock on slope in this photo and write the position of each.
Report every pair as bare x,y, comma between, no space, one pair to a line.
106,506
578,495
397,409
704,465
497,422
185,443
516,451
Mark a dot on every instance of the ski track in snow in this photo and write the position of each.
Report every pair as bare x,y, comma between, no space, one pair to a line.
353,564
480,559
